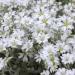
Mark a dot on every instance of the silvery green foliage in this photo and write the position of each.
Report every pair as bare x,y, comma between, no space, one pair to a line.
37,37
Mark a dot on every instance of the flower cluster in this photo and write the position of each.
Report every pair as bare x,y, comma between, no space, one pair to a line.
40,29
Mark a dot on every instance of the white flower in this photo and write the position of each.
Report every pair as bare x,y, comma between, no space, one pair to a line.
15,42
27,45
70,72
22,2
41,37
2,63
37,57
48,55
67,23
45,72
61,71
2,47
68,58
62,47
7,2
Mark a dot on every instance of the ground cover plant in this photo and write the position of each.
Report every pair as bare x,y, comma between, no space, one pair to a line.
37,37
